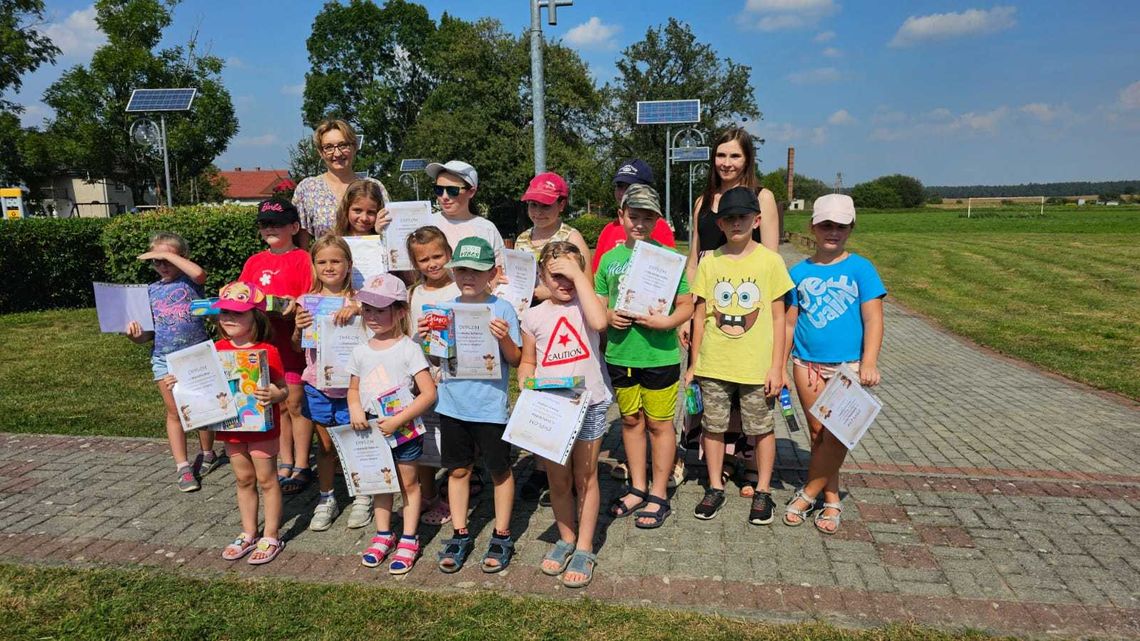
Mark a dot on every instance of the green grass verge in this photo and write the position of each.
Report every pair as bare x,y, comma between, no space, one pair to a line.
1060,291
59,603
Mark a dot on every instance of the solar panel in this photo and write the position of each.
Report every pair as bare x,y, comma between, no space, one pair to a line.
161,100
666,112
413,164
690,154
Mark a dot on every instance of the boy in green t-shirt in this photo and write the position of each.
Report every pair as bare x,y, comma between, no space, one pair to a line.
738,339
644,363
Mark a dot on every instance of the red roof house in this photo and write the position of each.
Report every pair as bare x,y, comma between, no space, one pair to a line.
253,185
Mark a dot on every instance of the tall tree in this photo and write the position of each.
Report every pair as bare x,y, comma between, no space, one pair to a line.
23,48
90,130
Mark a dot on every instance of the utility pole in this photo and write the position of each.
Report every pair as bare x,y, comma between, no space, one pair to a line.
537,76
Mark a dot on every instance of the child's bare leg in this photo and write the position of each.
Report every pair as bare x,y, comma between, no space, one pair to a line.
458,486
713,445
410,485
584,467
302,441
661,439
246,476
382,511
205,439
824,463
174,433
504,499
293,406
562,502
633,440
426,476
270,492
764,457
326,454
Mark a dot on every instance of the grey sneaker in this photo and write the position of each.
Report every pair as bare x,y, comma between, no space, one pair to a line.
187,482
360,514
207,462
323,515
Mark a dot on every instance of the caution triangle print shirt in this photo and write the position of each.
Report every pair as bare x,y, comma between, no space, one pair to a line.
565,346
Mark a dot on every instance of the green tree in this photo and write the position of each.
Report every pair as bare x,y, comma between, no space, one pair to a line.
90,130
23,48
304,161
910,190
207,187
804,187
875,195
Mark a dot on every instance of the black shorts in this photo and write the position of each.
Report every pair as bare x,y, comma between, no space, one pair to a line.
651,378
459,440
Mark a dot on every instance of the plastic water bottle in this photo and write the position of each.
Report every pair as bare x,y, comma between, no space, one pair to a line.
694,404
787,410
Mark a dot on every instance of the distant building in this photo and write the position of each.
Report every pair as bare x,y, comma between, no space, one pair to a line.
251,186
75,196
796,205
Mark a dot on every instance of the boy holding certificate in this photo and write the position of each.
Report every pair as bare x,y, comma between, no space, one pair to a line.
739,352
644,363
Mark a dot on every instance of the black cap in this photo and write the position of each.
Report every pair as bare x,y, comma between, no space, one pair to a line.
634,172
736,201
277,210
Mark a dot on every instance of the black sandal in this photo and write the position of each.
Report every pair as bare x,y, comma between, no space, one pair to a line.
662,513
619,509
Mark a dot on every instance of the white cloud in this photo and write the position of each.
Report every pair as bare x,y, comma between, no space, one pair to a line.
1040,111
594,34
886,116
787,133
1130,96
293,90
824,36
264,140
895,125
77,36
233,62
775,15
832,52
814,76
946,26
841,117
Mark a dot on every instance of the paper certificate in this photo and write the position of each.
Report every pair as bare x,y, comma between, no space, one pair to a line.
369,258
407,216
246,370
520,269
334,350
547,422
845,408
320,307
118,305
202,393
366,460
650,285
476,349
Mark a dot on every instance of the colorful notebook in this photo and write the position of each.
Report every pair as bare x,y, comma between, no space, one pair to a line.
392,402
246,370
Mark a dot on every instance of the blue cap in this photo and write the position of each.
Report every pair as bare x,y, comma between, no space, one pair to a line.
634,172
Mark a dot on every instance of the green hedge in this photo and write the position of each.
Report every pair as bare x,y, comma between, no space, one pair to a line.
47,263
590,226
220,238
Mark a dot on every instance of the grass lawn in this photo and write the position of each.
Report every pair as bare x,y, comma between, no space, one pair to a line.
1061,291
57,603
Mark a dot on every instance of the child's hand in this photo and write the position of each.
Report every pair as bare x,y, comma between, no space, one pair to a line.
154,255
134,330
499,279
690,374
291,305
618,320
653,321
270,394
168,382
774,381
383,219
389,426
422,328
565,266
499,328
304,318
344,315
357,418
869,375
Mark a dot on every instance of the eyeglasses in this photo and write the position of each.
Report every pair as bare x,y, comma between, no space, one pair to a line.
452,191
343,148
157,262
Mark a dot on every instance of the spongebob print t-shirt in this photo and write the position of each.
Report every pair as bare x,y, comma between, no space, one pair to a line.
738,295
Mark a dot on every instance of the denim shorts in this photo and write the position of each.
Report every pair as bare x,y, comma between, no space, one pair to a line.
324,410
410,451
158,366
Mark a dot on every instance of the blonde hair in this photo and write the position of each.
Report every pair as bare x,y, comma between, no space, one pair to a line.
170,238
356,189
558,248
404,325
337,124
324,242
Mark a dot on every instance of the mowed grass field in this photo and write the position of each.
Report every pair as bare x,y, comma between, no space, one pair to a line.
1061,291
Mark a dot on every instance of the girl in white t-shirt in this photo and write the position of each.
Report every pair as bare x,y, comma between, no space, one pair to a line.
430,251
561,338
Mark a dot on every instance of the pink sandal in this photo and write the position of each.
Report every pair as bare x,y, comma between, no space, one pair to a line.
438,514
242,545
268,547
405,557
377,550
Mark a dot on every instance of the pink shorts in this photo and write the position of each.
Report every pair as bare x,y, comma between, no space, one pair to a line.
256,449
293,378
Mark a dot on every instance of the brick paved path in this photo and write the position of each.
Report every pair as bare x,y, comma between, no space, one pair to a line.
987,495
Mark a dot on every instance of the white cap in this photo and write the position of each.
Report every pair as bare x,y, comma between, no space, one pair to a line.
457,167
837,208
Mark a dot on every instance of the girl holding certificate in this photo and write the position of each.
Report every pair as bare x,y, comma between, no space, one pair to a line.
561,339
835,316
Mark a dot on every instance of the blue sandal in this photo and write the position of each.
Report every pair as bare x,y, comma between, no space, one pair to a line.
454,553
297,484
662,513
619,509
582,562
500,549
283,478
559,554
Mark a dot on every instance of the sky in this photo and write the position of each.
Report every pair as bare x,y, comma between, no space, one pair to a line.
953,93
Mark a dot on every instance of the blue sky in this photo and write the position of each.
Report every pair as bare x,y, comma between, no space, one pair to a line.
950,92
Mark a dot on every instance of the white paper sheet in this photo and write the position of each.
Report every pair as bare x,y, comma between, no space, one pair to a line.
334,350
845,407
521,271
547,422
369,258
407,216
118,305
366,460
649,287
202,393
476,349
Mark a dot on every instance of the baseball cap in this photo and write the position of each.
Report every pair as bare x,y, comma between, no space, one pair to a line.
473,253
641,196
634,172
546,189
277,210
837,208
239,296
382,290
736,201
457,167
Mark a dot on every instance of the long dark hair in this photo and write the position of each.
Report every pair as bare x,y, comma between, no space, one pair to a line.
748,175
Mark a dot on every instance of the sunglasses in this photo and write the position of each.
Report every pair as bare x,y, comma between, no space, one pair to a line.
156,262
451,190
268,224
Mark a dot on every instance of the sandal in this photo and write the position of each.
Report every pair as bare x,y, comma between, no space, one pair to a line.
791,510
559,554
583,563
407,551
620,471
438,514
500,549
283,478
454,553
619,509
834,518
746,479
297,483
268,548
242,545
377,549
662,513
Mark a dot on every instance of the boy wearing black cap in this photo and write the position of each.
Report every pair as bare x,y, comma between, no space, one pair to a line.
631,172
739,292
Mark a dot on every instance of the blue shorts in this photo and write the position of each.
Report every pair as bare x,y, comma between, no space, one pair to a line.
322,410
158,366
410,451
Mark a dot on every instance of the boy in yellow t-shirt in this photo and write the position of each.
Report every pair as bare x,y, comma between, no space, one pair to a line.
739,292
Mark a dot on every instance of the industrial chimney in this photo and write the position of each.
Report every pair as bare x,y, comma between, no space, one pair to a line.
791,171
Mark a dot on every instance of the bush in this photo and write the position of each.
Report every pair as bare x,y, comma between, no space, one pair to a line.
590,226
220,238
49,263
910,190
875,195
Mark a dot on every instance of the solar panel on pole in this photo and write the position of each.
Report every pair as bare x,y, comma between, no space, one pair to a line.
413,164
161,100
668,112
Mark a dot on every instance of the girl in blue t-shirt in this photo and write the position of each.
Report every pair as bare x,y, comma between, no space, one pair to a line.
835,317
180,281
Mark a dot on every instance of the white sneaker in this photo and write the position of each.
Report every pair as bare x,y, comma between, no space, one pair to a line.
323,515
360,514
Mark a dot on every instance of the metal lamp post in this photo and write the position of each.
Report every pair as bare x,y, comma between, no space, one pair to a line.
537,77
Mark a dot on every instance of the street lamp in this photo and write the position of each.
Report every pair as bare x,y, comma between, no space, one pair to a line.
537,77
